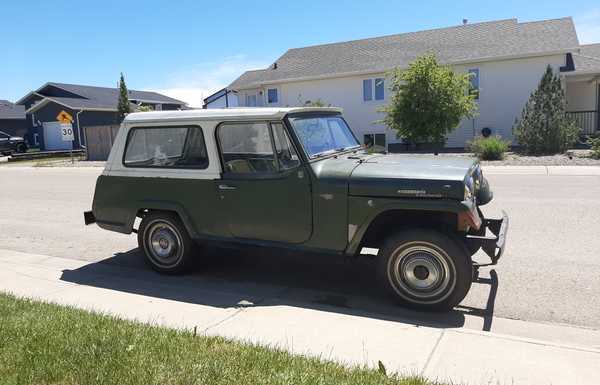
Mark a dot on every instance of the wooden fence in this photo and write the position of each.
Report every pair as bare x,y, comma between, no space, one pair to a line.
99,140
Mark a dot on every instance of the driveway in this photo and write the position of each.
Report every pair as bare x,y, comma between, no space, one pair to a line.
550,271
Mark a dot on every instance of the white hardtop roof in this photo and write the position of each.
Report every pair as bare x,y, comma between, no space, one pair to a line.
224,113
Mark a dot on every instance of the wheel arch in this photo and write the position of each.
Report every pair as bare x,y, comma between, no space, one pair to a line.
382,223
146,206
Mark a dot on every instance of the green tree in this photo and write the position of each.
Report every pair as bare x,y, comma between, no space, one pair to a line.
544,127
141,108
123,107
428,101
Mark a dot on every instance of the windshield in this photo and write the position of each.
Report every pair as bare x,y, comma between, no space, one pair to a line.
320,135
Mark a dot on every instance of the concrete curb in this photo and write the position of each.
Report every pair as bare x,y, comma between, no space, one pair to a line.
454,354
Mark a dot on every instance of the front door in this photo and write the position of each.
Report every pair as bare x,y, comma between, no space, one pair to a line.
265,190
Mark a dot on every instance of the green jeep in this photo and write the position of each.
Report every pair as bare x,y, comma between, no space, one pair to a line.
296,178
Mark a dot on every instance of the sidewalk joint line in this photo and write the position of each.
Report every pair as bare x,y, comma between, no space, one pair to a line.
437,343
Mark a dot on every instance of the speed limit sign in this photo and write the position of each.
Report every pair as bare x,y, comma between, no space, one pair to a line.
66,131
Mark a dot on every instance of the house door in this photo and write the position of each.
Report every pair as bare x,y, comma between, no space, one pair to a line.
265,190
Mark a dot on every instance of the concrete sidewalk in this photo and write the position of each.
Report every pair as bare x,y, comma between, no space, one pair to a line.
439,353
543,170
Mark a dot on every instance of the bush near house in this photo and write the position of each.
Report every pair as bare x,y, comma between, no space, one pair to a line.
492,148
429,100
544,127
595,146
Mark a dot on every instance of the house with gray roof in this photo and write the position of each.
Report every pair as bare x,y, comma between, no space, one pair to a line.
505,57
79,106
12,119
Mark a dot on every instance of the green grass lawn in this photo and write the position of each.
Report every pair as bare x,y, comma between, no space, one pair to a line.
48,344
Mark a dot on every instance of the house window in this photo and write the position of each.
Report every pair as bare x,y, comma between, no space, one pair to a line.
373,87
367,90
272,95
36,139
474,79
379,86
250,100
377,140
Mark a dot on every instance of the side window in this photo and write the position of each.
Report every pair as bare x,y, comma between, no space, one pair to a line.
246,148
286,154
166,147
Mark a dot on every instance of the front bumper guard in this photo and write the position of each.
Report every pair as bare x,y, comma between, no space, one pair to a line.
493,245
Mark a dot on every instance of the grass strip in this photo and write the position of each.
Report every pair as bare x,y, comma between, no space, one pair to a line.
43,343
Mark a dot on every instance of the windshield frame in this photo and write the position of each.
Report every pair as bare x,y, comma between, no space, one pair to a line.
318,114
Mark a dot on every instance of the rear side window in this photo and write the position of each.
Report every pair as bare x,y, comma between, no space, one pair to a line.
166,147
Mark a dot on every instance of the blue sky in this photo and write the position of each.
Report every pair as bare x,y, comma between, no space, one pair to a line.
188,49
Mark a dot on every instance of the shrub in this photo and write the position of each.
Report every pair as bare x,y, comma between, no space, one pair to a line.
595,143
428,101
544,127
492,148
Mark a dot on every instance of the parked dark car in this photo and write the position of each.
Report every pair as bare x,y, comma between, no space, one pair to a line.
10,144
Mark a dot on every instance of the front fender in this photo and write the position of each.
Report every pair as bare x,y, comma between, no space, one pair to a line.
363,211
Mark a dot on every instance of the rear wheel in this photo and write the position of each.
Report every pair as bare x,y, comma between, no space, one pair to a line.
166,243
425,269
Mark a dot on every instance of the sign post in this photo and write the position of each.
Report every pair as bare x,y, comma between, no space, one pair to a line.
66,129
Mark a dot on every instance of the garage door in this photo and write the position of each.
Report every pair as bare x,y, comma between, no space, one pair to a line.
53,137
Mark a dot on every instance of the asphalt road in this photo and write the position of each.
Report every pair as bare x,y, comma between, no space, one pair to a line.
550,271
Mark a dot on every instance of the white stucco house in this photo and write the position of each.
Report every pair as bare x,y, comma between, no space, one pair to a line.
507,59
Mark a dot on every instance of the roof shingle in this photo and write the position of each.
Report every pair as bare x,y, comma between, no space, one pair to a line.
10,110
465,43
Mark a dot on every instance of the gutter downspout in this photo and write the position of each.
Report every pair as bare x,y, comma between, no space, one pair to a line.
79,131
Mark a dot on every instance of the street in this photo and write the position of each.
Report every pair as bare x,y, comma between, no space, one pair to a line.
550,271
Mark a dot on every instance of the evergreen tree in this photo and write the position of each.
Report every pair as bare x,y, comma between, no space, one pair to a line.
544,127
123,107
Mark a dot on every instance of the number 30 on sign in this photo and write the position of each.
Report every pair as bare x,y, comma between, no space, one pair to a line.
66,131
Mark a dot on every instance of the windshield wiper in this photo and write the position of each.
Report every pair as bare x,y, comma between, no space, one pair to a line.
323,153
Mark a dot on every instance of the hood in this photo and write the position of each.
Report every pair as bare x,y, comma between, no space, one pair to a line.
422,176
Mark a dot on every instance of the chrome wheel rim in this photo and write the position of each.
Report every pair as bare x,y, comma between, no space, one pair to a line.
163,244
422,273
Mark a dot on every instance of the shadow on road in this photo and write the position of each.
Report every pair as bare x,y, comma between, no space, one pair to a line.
231,278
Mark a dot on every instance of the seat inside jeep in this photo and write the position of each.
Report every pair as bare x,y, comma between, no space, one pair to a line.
249,163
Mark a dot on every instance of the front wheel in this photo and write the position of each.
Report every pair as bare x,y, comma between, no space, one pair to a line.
21,148
425,269
165,242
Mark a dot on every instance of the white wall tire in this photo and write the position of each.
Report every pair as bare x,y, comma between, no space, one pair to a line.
165,242
425,269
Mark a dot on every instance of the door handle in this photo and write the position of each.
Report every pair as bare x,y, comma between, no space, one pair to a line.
226,187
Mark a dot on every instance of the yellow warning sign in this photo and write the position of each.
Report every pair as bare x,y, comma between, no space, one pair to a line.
64,117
